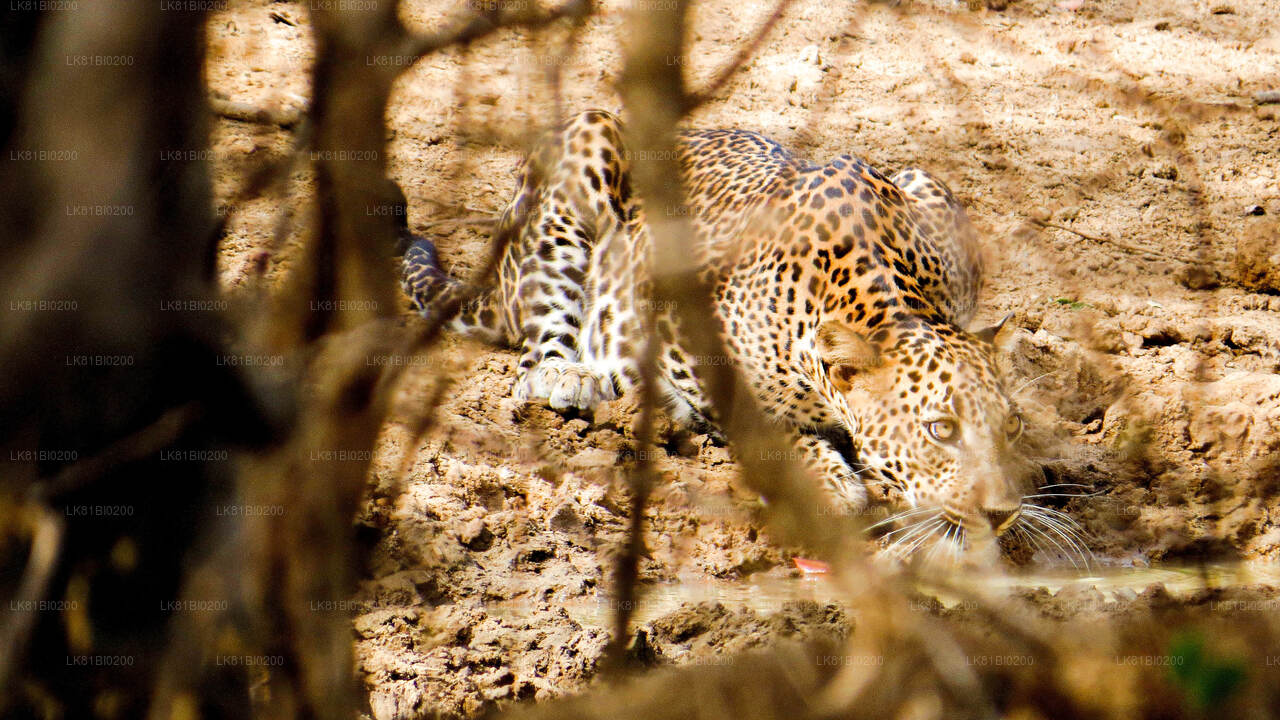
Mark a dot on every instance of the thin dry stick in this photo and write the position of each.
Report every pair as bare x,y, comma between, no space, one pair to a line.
430,332
145,442
427,335
708,93
478,26
642,480
1113,243
642,477
831,81
46,546
653,93
556,72
247,112
468,220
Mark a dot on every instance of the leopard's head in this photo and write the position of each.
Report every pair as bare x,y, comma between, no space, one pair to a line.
933,424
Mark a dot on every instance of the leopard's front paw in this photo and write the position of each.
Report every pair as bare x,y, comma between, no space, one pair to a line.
843,485
563,384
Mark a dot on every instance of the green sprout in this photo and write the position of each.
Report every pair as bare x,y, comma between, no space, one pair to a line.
1206,681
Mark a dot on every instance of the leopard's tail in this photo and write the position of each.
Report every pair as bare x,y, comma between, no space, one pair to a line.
431,291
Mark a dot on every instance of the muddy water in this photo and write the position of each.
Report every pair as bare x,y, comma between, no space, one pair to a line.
769,594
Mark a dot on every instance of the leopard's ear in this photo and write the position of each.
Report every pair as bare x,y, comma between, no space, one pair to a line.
845,352
997,335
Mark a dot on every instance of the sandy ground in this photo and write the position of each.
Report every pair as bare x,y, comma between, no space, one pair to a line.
1112,156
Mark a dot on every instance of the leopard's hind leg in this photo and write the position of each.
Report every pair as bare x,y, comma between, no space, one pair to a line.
431,290
484,313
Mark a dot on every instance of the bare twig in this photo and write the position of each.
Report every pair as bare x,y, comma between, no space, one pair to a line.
247,112
468,220
654,94
1113,243
46,546
147,441
744,54
479,26
642,480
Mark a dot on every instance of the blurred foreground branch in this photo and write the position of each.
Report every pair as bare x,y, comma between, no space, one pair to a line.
654,95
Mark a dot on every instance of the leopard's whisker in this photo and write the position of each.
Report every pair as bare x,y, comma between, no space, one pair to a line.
898,516
1049,512
1031,538
915,530
928,556
956,546
1066,495
907,552
1061,550
1028,383
940,543
920,537
1067,519
1030,525
1069,535
1026,535
908,526
940,527
1066,527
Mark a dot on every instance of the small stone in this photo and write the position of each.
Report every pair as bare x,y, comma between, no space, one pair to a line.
1125,595
642,653
1106,336
594,458
688,445
372,623
1166,172
475,535
1218,427
1079,599
565,519
1159,332
968,58
1255,210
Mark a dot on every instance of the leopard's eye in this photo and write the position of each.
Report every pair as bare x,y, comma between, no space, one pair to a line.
943,430
1013,427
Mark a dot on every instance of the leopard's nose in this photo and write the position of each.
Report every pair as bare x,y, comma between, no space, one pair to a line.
1001,519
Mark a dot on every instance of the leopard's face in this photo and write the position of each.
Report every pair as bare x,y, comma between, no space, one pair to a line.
936,429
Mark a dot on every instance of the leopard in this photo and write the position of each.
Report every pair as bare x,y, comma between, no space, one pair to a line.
843,297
